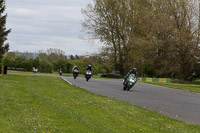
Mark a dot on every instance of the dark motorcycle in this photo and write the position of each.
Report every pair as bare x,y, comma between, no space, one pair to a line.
75,73
60,72
88,75
129,82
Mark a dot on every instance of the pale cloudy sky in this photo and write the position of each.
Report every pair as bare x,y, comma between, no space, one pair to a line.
42,24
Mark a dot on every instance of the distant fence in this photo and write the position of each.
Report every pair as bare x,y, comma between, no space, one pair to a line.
4,69
142,79
111,76
157,80
17,69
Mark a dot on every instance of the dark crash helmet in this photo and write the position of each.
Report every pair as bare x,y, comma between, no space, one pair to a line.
89,66
134,70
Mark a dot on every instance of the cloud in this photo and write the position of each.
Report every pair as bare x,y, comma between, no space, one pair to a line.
23,12
69,44
42,24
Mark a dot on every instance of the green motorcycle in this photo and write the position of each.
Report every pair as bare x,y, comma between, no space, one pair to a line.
129,82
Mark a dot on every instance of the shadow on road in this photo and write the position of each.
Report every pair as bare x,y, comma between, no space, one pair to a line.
129,90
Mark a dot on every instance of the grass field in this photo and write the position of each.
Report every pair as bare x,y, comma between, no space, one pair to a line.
46,104
48,74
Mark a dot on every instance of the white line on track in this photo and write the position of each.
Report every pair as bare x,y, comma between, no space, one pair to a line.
66,80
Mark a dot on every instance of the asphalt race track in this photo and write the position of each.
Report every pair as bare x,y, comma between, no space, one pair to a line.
178,104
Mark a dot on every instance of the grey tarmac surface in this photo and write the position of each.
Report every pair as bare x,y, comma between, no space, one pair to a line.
177,104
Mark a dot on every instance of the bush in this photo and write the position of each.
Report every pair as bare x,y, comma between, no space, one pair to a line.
28,64
63,64
46,67
8,61
36,62
18,62
147,69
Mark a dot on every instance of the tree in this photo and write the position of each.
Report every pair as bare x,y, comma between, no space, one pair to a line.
28,64
18,62
46,66
61,64
3,32
164,33
36,62
77,57
175,49
55,54
71,57
107,20
8,61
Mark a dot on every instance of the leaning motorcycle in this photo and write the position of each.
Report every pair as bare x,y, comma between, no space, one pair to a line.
129,82
75,73
88,75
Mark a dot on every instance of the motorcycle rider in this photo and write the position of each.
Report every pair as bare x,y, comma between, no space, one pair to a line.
133,71
89,68
60,71
88,72
75,72
75,68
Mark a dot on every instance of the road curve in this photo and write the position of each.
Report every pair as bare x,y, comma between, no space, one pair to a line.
178,104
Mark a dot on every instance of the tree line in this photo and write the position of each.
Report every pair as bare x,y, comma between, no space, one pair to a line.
159,37
52,60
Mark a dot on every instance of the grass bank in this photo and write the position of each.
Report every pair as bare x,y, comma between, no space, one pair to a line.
193,87
46,104
47,74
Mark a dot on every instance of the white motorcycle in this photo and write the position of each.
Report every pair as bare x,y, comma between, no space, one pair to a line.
88,75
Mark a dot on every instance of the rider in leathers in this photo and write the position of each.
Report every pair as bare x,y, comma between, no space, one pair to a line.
133,71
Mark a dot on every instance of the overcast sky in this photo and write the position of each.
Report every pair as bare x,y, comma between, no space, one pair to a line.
42,24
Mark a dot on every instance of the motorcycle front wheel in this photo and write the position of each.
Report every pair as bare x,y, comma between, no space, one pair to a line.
124,87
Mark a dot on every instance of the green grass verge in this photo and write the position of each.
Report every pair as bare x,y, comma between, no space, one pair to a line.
45,104
47,74
193,87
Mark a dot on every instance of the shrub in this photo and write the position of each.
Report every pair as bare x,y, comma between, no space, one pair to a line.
46,67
